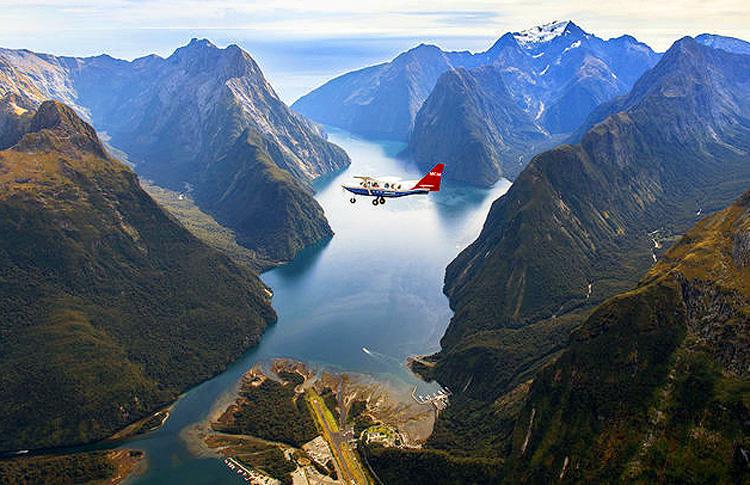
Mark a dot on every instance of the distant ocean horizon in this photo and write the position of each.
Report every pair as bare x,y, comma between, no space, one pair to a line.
293,66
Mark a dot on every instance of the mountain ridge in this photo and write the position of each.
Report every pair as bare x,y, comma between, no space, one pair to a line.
639,371
176,116
594,204
488,136
96,277
382,101
676,347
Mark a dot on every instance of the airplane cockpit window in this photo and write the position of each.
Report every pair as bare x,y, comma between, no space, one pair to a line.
386,185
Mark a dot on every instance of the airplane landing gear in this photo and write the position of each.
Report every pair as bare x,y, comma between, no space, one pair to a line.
352,200
382,200
375,201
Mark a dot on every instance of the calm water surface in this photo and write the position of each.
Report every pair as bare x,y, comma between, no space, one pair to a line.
362,302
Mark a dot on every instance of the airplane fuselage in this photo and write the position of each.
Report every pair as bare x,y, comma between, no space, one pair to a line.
390,187
381,192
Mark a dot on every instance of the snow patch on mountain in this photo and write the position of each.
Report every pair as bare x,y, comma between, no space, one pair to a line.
540,34
574,45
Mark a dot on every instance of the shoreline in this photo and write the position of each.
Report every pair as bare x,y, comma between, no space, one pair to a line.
346,408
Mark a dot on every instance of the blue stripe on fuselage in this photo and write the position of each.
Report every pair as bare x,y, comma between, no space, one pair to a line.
384,193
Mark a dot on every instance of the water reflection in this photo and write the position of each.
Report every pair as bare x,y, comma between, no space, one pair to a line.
303,262
464,204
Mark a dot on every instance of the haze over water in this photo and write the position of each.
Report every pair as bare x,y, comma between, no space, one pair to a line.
377,284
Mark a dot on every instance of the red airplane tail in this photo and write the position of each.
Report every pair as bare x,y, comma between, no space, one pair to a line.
431,181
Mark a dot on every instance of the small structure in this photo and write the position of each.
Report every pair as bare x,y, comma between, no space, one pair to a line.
318,450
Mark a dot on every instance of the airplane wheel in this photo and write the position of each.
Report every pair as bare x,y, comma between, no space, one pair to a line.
382,200
375,201
352,200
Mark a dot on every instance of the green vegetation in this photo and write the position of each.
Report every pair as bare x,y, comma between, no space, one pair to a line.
331,402
270,461
554,374
172,137
291,378
110,308
581,215
702,438
271,411
357,416
274,214
62,469
429,467
205,227
654,386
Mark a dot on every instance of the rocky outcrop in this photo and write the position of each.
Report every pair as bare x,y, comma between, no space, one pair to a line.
717,321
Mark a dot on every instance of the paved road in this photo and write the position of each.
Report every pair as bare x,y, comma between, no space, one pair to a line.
339,447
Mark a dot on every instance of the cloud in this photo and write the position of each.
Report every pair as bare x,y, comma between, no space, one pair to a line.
657,23
455,17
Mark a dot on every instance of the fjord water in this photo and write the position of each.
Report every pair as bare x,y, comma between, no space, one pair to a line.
361,302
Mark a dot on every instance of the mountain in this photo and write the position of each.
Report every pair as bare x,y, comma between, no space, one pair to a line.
581,221
382,101
110,308
556,72
655,385
729,44
176,117
487,136
288,221
572,71
561,364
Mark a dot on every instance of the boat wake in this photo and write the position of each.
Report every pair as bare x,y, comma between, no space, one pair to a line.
379,356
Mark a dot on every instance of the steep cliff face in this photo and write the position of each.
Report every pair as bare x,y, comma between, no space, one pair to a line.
177,112
655,386
176,117
471,123
110,307
287,221
552,77
574,228
382,101
15,116
555,72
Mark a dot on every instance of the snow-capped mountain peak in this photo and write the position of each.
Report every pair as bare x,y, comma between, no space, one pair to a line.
542,34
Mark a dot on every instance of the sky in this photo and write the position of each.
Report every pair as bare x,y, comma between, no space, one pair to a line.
302,43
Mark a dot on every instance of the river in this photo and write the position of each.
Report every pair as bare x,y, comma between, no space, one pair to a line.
362,302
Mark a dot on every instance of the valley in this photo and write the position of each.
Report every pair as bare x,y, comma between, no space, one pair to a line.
354,315
331,335
212,307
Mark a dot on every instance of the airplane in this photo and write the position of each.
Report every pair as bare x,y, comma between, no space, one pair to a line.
387,187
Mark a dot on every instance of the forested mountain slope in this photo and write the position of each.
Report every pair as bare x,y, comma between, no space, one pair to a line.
110,307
